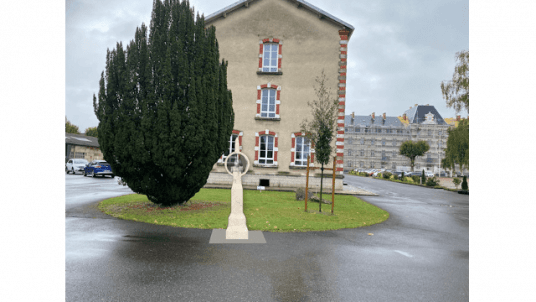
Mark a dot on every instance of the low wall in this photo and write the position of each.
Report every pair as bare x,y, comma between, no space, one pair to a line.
276,180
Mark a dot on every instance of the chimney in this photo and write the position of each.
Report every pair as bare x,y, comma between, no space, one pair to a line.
404,116
457,118
416,105
409,107
384,115
427,104
373,115
353,115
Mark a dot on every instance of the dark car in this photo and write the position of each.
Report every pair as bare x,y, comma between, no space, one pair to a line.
98,167
398,173
442,174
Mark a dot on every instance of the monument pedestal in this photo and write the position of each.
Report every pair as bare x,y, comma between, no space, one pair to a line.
237,230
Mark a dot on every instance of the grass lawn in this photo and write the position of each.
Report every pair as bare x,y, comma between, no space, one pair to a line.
265,211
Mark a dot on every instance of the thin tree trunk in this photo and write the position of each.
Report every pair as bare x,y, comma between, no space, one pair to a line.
321,181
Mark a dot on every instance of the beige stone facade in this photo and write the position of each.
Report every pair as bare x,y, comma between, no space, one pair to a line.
275,50
81,146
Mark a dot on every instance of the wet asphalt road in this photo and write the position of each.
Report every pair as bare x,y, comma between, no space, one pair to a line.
421,253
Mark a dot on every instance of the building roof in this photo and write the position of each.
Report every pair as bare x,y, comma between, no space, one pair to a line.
417,115
300,3
367,121
451,121
81,140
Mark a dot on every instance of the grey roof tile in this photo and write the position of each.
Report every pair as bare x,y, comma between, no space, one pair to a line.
81,140
417,115
366,120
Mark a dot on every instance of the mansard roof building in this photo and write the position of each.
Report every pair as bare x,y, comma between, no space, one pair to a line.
275,50
374,141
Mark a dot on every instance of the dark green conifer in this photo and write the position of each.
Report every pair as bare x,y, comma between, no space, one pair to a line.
165,113
465,186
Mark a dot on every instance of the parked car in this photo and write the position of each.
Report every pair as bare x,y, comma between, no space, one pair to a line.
428,174
98,167
442,174
75,164
398,173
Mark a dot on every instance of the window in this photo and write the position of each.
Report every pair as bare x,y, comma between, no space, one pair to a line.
349,152
430,132
350,129
372,142
269,57
394,142
303,148
394,153
268,102
393,167
79,155
266,156
357,129
362,152
231,149
350,141
383,142
367,130
372,153
362,141
378,130
440,133
361,165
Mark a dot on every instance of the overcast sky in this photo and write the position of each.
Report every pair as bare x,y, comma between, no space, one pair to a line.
399,53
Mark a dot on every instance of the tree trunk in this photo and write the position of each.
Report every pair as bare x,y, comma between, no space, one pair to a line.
321,181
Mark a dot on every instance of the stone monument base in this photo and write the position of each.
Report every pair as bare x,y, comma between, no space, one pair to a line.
218,236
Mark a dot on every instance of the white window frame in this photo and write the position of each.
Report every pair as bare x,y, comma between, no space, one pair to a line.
232,148
263,140
268,57
265,101
300,140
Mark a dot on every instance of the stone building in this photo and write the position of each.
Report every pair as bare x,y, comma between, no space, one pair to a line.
81,146
275,50
374,141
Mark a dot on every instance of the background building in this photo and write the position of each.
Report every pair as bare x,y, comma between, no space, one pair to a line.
374,141
275,50
81,146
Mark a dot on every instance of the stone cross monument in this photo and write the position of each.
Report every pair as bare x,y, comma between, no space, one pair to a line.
237,229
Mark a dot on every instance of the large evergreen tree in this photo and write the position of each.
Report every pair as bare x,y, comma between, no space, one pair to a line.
165,113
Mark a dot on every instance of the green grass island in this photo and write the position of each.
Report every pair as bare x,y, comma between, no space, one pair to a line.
271,211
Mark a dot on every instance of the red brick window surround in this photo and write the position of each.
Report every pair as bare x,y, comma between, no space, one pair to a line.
266,143
234,135
268,101
299,151
270,55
